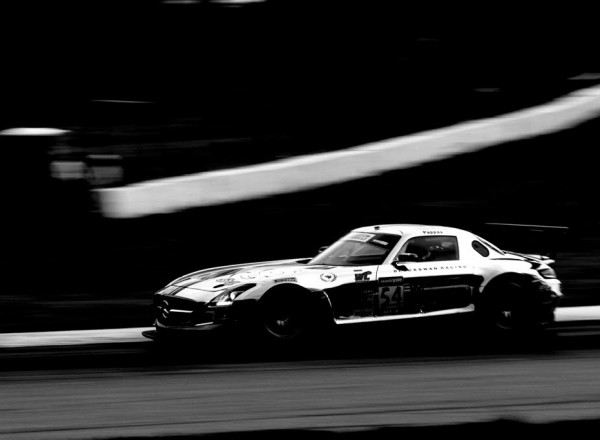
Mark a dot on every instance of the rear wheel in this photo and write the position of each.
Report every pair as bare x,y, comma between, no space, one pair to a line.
509,311
504,312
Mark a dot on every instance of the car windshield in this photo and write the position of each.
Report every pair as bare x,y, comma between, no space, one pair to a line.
357,249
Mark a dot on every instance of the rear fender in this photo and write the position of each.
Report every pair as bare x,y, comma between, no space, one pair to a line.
495,283
535,291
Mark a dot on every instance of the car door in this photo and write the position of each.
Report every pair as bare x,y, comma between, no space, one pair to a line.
435,281
355,294
358,298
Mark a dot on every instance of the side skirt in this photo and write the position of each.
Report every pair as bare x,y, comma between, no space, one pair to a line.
356,320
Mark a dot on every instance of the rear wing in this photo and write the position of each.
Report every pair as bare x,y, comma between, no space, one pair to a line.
543,240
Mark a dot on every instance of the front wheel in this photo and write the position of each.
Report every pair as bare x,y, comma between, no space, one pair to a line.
284,319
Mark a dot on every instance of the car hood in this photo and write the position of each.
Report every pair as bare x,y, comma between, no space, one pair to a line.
215,278
206,284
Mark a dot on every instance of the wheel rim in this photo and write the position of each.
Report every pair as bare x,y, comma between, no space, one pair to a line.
504,309
504,319
283,323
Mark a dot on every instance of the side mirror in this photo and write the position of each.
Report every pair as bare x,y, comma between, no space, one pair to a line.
403,258
400,259
322,248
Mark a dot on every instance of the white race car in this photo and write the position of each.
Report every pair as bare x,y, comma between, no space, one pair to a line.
372,274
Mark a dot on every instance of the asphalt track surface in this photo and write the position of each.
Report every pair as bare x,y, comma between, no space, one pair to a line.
356,384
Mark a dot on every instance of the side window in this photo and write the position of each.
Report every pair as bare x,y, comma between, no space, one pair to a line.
437,248
480,248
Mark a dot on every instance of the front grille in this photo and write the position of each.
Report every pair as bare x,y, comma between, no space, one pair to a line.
180,312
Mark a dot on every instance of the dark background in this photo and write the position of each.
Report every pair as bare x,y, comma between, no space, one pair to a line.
216,87
303,75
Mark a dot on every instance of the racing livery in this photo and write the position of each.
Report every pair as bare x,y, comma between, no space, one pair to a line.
374,273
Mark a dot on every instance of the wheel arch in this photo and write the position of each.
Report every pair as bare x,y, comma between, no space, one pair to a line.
317,300
529,303
494,283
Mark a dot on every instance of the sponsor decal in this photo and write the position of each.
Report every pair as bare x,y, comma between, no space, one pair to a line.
359,236
441,267
280,272
226,281
366,304
361,277
390,281
248,276
328,277
390,300
268,273
381,242
286,280
432,232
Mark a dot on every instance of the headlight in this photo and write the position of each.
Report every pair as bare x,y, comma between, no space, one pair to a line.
547,273
226,298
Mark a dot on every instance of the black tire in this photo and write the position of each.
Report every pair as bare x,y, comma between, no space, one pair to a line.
504,312
284,319
509,309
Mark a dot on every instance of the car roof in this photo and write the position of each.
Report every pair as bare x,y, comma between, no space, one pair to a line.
405,229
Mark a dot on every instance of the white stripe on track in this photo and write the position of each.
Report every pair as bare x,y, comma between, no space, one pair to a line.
570,314
74,337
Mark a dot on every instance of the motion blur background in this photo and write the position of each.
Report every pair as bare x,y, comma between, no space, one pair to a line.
154,89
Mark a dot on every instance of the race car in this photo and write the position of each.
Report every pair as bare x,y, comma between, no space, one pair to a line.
372,274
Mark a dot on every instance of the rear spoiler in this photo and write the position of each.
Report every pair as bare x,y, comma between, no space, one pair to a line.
544,240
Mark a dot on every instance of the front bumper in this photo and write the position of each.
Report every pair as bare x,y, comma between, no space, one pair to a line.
175,335
204,327
182,315
171,334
